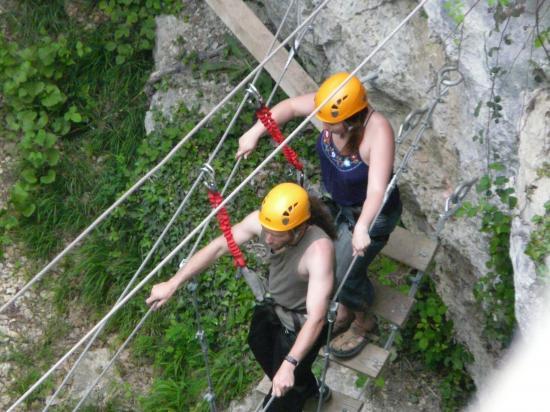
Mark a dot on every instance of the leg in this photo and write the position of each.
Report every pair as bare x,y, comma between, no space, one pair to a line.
263,329
305,384
357,293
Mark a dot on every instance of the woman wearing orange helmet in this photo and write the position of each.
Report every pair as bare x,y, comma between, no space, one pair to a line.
356,152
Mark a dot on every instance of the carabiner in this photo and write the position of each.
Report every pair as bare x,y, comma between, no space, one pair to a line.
210,178
458,195
253,96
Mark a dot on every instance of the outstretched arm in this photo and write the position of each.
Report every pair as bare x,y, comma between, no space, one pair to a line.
242,232
319,260
299,106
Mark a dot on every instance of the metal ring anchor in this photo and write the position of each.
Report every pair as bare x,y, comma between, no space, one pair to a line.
444,80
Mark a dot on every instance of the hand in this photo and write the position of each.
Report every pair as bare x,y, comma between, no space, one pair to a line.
160,294
360,240
283,380
247,143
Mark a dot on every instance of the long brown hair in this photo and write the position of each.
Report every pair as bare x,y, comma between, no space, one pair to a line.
320,216
356,130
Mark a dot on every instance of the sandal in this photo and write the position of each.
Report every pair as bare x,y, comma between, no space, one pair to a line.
349,344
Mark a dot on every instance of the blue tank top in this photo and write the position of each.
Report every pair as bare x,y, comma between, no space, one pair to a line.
346,178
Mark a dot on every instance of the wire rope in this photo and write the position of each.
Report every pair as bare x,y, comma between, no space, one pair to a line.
230,197
170,154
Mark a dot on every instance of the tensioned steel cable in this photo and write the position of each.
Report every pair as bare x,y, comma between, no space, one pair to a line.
165,231
229,198
452,204
172,152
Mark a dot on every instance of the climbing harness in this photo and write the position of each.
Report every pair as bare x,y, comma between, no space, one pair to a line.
205,221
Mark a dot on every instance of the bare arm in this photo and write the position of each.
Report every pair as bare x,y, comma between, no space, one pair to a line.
380,160
242,232
299,106
319,262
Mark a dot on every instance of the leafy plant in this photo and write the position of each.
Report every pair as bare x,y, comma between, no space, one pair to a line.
538,247
429,335
495,290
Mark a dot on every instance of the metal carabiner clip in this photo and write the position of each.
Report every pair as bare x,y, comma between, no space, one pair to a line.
458,195
253,96
210,178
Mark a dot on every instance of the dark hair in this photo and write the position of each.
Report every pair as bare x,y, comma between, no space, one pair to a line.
320,216
356,131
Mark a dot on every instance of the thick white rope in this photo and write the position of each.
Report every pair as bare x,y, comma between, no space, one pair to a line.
172,152
224,202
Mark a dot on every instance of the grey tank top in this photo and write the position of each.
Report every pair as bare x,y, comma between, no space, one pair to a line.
286,287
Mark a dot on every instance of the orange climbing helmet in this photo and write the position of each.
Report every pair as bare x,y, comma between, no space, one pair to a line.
349,100
285,207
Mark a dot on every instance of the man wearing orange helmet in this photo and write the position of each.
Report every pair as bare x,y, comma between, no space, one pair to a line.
286,331
356,152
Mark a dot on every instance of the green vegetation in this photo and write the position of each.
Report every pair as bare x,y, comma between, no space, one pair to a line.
428,337
538,247
495,290
84,106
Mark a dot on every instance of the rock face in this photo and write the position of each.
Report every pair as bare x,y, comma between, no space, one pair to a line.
495,58
533,187
346,31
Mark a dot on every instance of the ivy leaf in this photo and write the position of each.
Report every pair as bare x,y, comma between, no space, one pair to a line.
26,119
501,180
48,178
484,184
110,45
8,222
499,167
19,195
120,59
12,122
477,109
28,210
52,156
73,115
29,176
36,158
423,343
53,97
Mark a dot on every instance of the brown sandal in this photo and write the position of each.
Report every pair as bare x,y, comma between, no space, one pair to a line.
340,346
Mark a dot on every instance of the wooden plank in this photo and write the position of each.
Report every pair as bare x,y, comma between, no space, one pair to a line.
252,33
370,361
413,250
337,403
390,304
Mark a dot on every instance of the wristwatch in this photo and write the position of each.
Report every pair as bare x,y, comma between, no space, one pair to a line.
292,360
